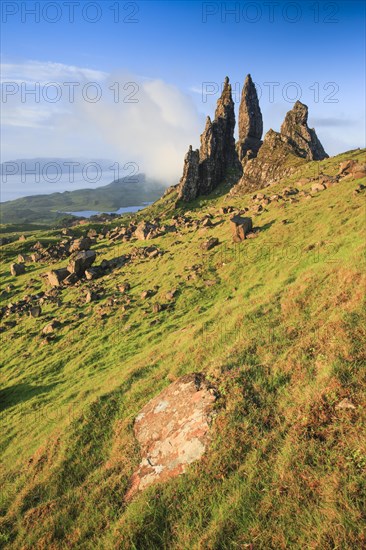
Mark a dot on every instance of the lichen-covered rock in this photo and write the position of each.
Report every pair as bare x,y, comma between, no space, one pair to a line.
250,121
173,430
302,138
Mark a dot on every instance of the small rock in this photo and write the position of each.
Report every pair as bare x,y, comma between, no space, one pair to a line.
50,328
345,404
210,243
81,261
240,227
170,295
56,276
318,187
124,287
35,311
80,244
90,297
17,269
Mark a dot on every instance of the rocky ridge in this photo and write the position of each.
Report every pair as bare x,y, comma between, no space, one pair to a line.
255,164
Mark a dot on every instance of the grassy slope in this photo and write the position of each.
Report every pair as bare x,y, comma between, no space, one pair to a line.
280,333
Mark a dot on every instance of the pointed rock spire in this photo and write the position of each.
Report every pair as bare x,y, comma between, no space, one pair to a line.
250,121
188,185
302,138
217,154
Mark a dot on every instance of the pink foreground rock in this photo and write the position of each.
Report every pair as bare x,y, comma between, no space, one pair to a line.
173,430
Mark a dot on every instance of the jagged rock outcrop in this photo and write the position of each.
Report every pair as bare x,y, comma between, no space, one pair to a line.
251,163
302,138
276,159
282,153
250,122
217,155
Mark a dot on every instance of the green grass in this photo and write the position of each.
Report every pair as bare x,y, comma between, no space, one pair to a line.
281,334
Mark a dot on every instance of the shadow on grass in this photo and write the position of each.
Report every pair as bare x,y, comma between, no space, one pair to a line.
13,395
264,227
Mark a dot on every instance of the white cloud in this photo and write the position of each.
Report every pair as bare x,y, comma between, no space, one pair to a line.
44,72
154,132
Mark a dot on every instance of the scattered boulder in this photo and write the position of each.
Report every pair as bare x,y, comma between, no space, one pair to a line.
157,307
173,430
81,244
318,187
35,311
240,227
210,243
206,222
35,257
17,269
124,287
50,328
92,273
146,294
90,297
170,295
146,230
57,276
351,169
23,258
81,261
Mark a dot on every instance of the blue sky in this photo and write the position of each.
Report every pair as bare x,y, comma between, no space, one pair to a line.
313,51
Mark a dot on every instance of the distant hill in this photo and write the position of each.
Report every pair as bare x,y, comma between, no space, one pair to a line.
124,192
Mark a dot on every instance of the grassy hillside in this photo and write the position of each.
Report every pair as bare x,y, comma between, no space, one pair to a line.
48,208
276,322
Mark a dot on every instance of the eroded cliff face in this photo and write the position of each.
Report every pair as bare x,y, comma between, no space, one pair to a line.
253,163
